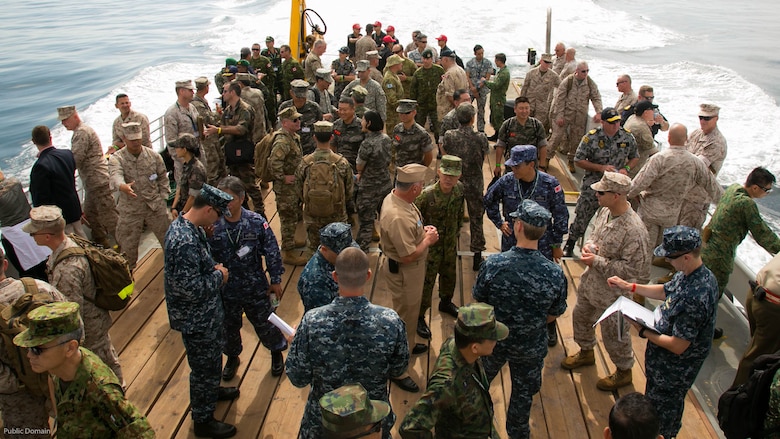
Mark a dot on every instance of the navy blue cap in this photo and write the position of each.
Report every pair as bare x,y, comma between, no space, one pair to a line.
678,240
532,213
337,237
521,154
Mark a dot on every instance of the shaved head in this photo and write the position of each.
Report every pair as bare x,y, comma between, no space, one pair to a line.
678,134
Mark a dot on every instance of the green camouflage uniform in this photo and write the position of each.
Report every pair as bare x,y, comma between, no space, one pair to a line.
498,87
291,69
394,92
264,65
284,160
215,154
423,90
408,69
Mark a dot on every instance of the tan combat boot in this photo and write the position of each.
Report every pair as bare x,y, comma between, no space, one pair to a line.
621,378
584,357
290,257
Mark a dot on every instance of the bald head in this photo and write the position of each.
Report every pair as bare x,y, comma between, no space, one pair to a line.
570,52
678,135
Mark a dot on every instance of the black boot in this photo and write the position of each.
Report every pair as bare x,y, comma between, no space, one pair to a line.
228,393
477,261
231,367
214,429
568,249
422,328
277,363
552,334
447,307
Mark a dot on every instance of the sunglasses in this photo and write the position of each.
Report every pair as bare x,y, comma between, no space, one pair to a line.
707,118
546,62
584,71
601,193
38,350
765,189
620,82
649,98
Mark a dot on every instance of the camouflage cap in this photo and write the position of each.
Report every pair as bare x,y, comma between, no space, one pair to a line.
547,57
406,106
530,212
187,141
412,173
66,112
610,115
324,74
299,87
427,53
132,130
344,49
451,165
478,320
372,54
216,198
349,408
360,91
465,111
323,126
678,240
48,322
289,113
201,82
185,84
244,78
393,60
521,154
613,182
43,218
269,39
230,62
337,237
709,110
362,66
243,62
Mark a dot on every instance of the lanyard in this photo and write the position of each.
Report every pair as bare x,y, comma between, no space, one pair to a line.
520,190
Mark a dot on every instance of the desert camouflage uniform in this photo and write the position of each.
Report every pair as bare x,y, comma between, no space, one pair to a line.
471,147
498,87
291,69
375,183
544,190
570,103
310,113
246,120
512,133
736,215
93,405
347,139
456,402
347,341
98,203
150,183
445,211
19,407
423,90
375,99
410,146
284,160
72,276
476,71
342,69
316,285
117,133
179,121
375,74
525,288
246,289
711,149
194,301
310,66
394,92
645,144
625,101
213,151
623,250
193,177
453,79
558,63
687,313
539,87
599,149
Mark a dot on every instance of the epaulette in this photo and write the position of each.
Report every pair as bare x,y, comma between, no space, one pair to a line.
593,131
627,130
627,107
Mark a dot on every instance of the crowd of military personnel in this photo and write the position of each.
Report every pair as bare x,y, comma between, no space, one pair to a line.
350,142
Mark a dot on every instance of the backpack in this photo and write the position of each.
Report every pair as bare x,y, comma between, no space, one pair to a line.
323,190
741,410
262,154
110,271
14,321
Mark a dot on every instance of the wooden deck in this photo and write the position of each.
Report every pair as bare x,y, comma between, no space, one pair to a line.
152,356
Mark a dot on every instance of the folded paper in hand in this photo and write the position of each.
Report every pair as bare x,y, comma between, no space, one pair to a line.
632,310
281,324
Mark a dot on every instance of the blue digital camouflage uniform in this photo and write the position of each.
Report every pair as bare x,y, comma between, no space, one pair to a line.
688,313
347,341
596,147
192,295
240,247
478,70
524,287
545,190
316,285
310,113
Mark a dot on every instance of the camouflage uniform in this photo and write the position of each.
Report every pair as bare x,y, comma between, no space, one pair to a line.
241,246
687,313
571,104
310,66
19,407
256,102
525,288
545,190
73,277
645,144
347,341
410,145
291,69
316,285
453,79
194,302
284,160
471,147
711,149
179,121
408,69
448,122
511,133
626,101
310,113
736,215
394,92
276,63
98,203
558,63
478,70
214,153
772,419
498,87
193,177
375,99
246,120
423,90
623,250
150,183
596,147
133,116
539,87
262,64
342,69
347,139
445,211
375,182
325,100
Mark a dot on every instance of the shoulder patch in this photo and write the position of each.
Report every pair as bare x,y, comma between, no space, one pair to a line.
397,138
389,85
558,189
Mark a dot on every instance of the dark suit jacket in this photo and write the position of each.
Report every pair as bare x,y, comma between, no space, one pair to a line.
53,182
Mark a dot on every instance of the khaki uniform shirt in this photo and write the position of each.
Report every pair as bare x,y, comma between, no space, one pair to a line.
572,101
149,177
454,79
400,228
539,89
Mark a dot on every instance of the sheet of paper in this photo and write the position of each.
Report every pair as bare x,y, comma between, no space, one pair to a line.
281,324
632,310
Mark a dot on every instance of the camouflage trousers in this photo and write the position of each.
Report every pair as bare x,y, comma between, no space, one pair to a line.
100,211
586,312
497,113
214,161
204,355
542,113
567,138
442,261
721,264
246,173
313,226
481,99
526,374
97,322
472,193
587,205
406,290
693,215
288,205
392,120
257,307
24,412
423,114
655,231
131,226
368,204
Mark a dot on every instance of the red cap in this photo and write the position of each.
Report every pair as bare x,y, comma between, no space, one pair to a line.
390,29
388,39
378,24
441,37
356,26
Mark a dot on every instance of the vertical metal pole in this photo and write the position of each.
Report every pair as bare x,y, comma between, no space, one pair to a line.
549,31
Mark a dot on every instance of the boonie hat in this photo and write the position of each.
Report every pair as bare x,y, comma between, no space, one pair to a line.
337,237
406,106
216,198
613,182
677,241
48,322
66,112
43,218
348,409
478,320
451,165
132,130
520,154
393,60
289,113
412,173
610,115
532,213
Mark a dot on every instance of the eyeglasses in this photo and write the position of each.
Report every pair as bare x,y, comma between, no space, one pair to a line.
546,62
707,118
765,189
424,42
38,350
649,98
375,428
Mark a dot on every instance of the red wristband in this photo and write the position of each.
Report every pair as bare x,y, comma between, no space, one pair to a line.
633,288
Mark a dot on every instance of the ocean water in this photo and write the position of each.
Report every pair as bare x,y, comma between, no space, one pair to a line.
60,53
